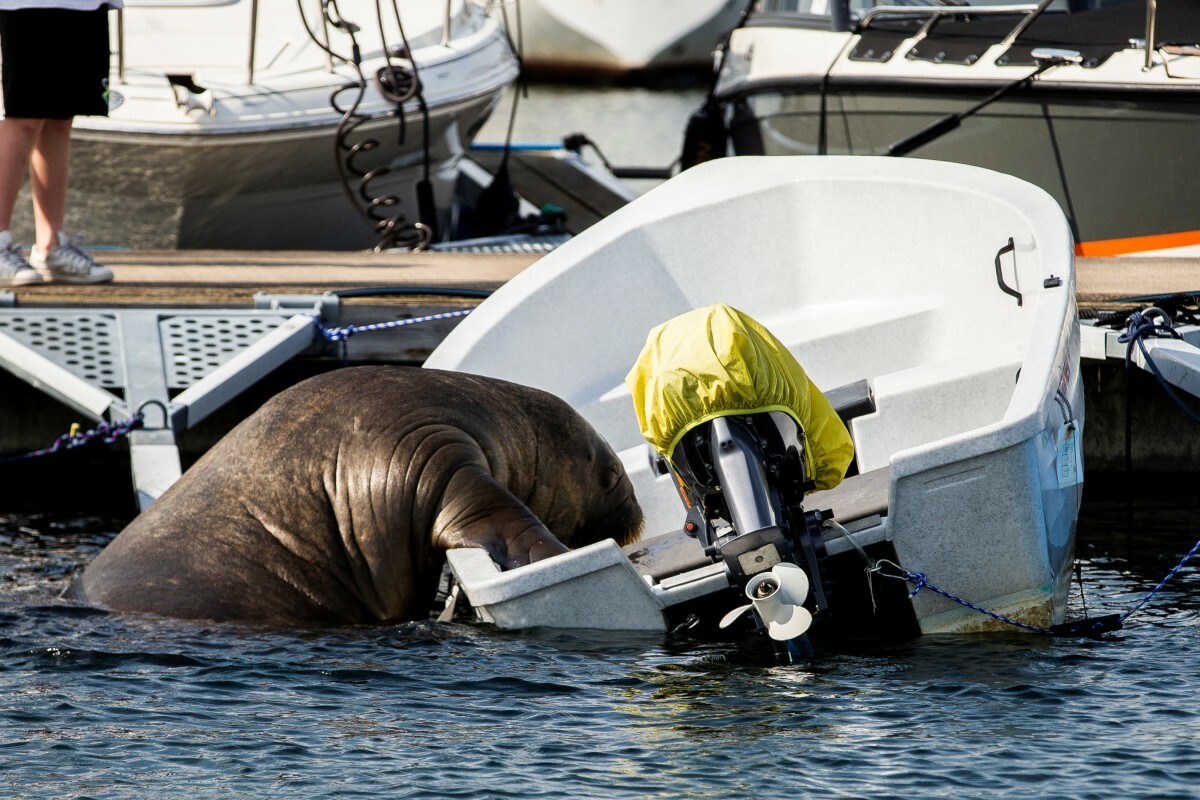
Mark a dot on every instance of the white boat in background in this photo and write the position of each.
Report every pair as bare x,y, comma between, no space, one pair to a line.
1107,125
616,37
934,303
224,127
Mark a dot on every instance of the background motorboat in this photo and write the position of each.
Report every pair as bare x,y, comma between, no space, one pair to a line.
233,122
1062,93
613,38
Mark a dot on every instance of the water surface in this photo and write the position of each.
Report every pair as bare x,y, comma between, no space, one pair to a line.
108,706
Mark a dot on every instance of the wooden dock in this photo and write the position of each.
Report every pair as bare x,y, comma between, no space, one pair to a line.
399,286
1108,283
408,285
231,278
420,284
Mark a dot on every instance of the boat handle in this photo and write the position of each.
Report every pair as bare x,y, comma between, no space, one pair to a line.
1004,287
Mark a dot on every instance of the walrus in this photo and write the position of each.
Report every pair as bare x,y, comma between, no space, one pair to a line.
335,501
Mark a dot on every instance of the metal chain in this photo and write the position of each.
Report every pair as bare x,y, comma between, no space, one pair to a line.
344,333
107,432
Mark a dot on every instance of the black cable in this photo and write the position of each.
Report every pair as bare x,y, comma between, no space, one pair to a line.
420,90
413,290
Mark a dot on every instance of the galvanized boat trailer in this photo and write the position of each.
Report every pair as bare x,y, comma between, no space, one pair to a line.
174,367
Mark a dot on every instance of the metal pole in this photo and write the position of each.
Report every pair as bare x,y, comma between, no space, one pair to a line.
839,15
253,40
1033,14
1151,18
445,27
120,45
325,37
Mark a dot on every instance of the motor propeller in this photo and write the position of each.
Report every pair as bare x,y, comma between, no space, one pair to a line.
776,596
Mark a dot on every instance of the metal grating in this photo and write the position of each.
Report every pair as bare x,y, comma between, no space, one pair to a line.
193,346
85,343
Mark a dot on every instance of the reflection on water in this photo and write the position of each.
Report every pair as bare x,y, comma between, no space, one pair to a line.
108,706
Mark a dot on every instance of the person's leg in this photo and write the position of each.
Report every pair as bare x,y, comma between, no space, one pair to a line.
48,173
55,255
17,138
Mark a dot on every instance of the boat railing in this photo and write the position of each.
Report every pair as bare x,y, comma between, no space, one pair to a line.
1031,12
253,38
937,13
1151,19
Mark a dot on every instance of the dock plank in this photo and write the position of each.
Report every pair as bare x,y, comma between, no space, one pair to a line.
1107,281
231,277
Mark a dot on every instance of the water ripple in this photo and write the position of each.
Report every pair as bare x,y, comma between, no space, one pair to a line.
115,707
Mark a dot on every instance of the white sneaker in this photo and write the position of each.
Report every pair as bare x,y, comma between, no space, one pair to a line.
68,264
14,269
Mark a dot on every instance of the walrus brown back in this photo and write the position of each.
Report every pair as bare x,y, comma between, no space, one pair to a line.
329,503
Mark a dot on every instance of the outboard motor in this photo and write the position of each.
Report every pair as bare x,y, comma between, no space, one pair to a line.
738,422
748,476
743,479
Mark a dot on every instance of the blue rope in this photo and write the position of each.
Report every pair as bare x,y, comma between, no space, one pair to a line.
110,432
107,432
921,582
1137,329
1163,582
342,335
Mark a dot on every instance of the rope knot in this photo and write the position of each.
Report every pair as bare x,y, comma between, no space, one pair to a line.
1141,324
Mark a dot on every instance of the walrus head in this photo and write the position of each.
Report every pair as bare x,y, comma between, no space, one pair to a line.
591,498
613,511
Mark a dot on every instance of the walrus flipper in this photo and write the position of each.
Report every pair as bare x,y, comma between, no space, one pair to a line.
479,512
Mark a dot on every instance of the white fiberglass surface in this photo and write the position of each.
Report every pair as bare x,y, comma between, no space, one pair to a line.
933,402
864,267
206,36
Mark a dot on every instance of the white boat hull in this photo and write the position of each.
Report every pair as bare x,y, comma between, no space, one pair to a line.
614,37
251,159
973,391
278,190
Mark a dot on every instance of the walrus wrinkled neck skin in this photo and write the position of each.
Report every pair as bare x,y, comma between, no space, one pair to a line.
335,501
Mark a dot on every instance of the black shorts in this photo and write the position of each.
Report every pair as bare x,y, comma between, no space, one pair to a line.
55,62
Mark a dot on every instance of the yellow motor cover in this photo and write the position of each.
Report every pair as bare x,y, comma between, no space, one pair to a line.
715,361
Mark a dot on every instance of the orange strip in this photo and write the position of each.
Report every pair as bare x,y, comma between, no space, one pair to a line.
1137,244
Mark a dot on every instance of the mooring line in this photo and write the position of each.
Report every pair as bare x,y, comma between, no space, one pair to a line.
342,334
110,432
1084,627
107,432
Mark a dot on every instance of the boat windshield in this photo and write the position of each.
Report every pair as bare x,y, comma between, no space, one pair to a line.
858,8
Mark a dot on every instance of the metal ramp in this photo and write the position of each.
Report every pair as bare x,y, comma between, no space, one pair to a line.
173,366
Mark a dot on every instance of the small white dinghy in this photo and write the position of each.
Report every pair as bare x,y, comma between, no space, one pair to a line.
933,303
